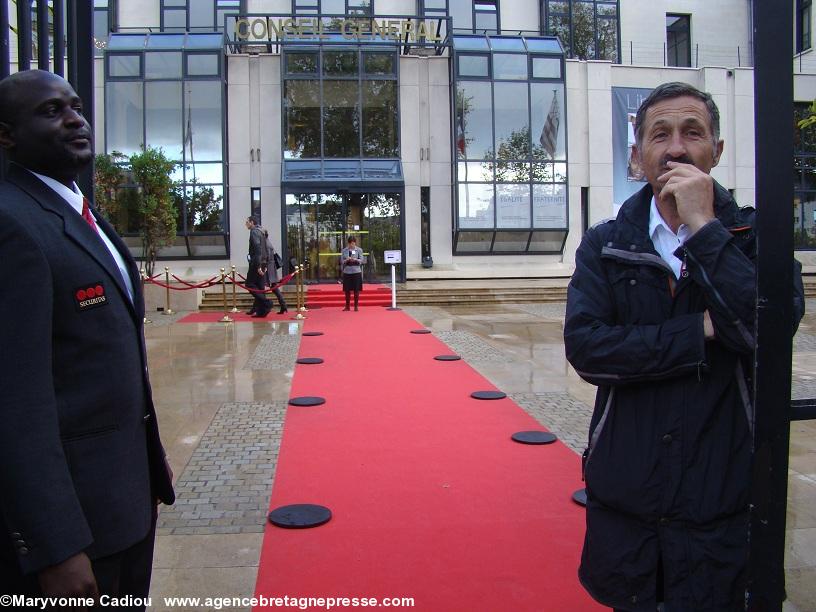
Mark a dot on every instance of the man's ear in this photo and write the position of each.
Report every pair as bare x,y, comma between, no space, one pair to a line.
718,149
6,136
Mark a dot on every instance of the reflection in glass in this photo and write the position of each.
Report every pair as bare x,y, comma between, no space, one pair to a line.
163,65
341,118
510,66
474,114
203,101
203,207
340,63
546,68
380,119
511,242
512,205
473,242
163,119
547,242
204,173
301,121
379,63
475,171
474,66
301,63
475,205
548,124
550,206
511,117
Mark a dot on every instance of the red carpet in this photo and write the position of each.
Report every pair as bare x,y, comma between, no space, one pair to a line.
431,499
238,317
331,295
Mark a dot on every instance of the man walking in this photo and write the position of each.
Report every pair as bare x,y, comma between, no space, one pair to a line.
660,316
83,465
258,258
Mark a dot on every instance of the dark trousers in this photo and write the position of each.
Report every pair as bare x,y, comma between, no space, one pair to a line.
261,304
279,295
117,575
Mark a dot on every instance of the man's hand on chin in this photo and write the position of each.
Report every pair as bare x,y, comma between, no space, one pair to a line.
692,191
71,578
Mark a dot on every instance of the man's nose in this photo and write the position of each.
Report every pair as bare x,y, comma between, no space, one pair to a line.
71,116
677,147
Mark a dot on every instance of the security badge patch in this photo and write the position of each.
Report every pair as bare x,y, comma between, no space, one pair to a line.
90,296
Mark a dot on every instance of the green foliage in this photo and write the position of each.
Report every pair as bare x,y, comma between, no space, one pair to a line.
150,171
203,209
809,120
109,178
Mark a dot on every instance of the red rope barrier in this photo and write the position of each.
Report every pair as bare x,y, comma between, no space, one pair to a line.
282,281
164,286
212,281
204,285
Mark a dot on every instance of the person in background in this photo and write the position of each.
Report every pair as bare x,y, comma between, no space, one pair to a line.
258,259
351,265
272,276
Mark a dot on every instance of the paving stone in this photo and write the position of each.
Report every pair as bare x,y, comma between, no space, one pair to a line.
550,310
234,498
274,352
560,413
471,347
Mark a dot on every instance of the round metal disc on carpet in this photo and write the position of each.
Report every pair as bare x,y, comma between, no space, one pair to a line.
534,437
389,308
300,516
420,331
309,360
306,401
447,357
579,497
488,395
312,333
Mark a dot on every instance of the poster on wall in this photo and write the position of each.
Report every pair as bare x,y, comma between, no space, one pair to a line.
512,206
550,206
626,174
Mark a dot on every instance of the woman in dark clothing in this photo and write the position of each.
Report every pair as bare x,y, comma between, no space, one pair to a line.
351,262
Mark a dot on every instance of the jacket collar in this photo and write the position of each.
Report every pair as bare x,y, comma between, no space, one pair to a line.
77,229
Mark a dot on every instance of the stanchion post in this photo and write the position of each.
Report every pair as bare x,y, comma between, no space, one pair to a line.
303,288
226,318
393,286
144,278
167,309
299,296
234,306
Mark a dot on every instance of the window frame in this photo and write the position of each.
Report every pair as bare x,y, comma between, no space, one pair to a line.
545,12
804,34
685,19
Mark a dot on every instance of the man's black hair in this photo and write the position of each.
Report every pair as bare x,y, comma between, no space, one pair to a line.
675,89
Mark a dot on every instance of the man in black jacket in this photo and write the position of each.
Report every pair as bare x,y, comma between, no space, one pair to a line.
82,463
258,260
660,316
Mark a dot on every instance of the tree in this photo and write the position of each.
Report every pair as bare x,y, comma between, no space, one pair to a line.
203,207
151,171
109,178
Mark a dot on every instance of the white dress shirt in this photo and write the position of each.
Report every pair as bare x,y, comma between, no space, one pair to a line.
665,240
74,198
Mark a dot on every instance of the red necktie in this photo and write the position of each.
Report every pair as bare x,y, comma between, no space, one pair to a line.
86,214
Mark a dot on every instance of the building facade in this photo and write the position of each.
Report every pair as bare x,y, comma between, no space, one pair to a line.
478,137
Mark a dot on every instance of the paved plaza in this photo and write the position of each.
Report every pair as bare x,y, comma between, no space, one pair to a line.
221,392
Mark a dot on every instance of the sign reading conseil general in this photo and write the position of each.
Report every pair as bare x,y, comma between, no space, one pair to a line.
263,28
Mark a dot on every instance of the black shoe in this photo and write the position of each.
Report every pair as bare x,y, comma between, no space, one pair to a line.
355,309
346,308
250,312
283,309
261,315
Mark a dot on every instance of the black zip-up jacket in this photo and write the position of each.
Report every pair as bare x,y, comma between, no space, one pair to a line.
667,468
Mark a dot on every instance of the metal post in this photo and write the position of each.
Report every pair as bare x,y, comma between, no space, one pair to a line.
23,35
226,318
773,109
298,293
59,37
393,286
303,268
83,42
234,306
43,59
167,309
143,276
5,51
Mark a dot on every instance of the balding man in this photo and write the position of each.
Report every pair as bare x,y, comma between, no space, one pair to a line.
83,466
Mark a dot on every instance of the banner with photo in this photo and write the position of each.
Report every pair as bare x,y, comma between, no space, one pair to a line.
626,174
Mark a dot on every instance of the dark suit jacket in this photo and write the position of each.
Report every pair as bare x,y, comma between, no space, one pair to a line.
80,455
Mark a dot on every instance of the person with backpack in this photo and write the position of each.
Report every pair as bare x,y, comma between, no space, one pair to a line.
272,277
258,258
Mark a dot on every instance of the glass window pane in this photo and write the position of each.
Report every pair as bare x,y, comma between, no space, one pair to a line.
164,65
510,66
203,207
175,3
379,63
213,42
474,172
558,25
124,65
163,120
203,101
127,42
380,133
507,44
333,7
486,17
474,66
474,242
301,122
341,118
542,44
435,4
547,242
510,242
124,109
100,29
202,64
202,13
583,30
301,63
476,43
511,171
462,13
474,120
549,135
550,206
475,205
171,42
512,121
512,206
340,63
175,20
204,173
608,39
546,68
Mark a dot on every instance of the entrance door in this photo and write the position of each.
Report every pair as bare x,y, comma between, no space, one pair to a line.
318,225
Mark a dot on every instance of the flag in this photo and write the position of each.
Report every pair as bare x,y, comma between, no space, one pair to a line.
460,134
188,132
549,133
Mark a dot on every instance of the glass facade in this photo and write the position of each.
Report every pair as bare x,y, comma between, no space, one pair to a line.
510,145
678,40
804,180
588,29
197,15
167,91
